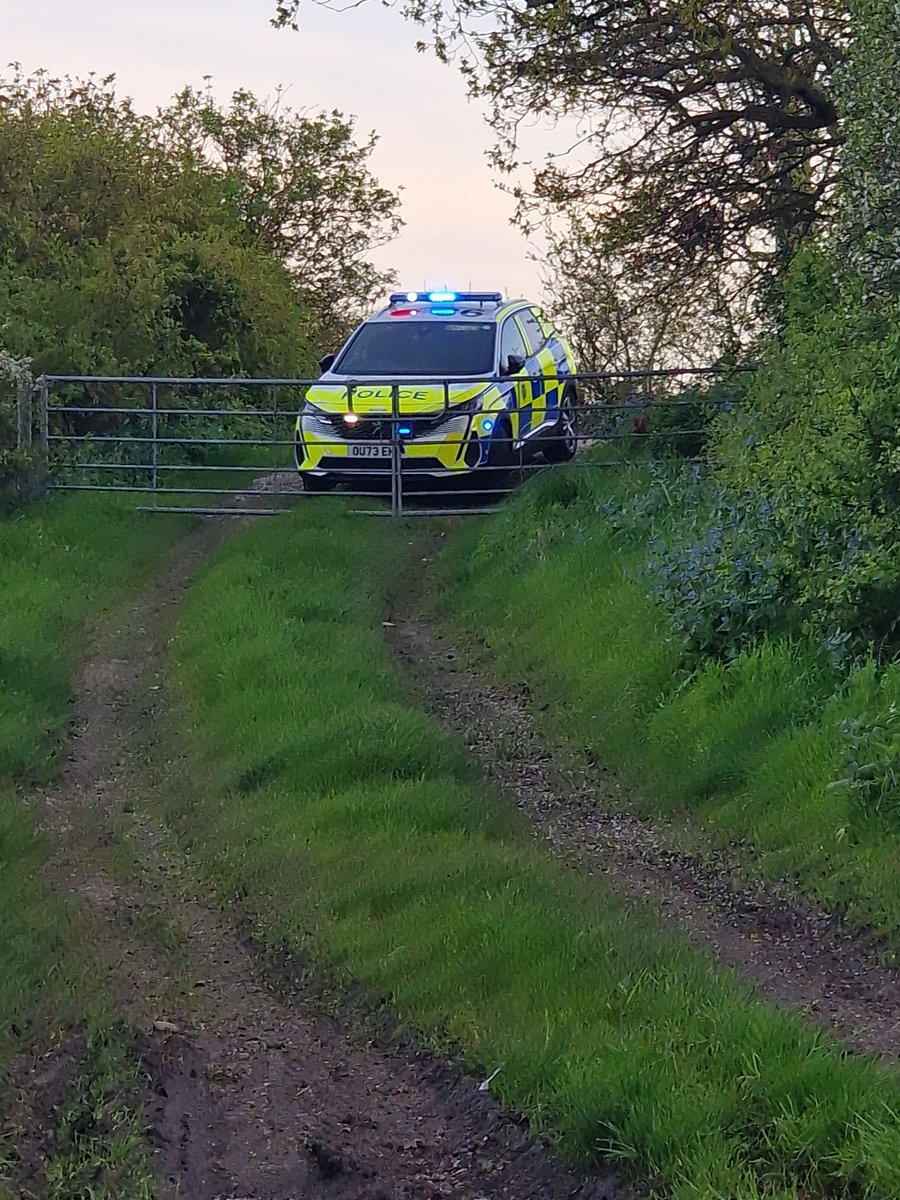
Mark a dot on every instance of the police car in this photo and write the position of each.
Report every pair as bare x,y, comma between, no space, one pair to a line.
440,384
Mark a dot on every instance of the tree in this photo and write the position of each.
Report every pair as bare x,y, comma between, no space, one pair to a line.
302,186
620,316
868,236
711,127
129,247
820,435
119,256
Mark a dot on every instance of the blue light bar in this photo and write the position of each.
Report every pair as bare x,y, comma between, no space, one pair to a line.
447,297
443,312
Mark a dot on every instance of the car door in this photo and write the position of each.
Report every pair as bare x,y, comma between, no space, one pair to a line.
513,344
541,368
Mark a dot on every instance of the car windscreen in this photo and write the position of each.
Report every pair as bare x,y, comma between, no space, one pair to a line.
404,347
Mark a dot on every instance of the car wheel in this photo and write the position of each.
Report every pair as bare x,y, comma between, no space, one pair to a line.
561,443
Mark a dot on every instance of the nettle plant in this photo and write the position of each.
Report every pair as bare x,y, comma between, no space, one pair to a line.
872,760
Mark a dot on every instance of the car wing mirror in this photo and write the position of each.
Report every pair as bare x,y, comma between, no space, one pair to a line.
514,364
327,362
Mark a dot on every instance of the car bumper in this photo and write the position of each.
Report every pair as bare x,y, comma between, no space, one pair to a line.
453,447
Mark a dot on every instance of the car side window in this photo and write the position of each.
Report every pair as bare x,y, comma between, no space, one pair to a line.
512,341
534,335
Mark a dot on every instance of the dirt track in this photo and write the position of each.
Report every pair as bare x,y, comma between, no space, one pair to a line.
254,1093
786,949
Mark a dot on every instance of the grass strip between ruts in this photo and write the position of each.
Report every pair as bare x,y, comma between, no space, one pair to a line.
355,828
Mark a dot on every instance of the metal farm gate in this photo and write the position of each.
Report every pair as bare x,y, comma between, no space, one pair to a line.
226,446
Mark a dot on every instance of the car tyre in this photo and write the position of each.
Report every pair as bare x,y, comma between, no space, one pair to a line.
561,443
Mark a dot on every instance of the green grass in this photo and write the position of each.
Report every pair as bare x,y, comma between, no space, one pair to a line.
61,563
92,1142
352,826
741,753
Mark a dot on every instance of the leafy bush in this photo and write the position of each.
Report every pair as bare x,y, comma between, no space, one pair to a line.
15,464
819,439
182,243
821,435
872,759
682,424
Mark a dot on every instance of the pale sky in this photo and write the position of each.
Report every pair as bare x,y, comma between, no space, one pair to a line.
362,62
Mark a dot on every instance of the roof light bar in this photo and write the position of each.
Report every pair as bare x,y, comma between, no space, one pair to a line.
446,297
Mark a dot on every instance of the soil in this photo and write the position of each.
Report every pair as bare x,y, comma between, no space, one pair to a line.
253,1093
788,950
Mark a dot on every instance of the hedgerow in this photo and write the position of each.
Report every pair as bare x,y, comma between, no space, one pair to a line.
15,463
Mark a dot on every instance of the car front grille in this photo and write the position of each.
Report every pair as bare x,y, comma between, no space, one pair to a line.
379,429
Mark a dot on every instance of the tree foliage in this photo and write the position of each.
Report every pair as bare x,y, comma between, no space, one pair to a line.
120,256
132,245
868,238
710,129
301,185
622,319
821,437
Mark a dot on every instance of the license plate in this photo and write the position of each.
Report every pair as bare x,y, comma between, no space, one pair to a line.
370,450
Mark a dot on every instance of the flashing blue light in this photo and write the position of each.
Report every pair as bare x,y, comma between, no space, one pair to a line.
487,425
404,430
447,297
443,312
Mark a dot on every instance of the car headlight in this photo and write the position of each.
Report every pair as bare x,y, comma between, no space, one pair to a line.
317,422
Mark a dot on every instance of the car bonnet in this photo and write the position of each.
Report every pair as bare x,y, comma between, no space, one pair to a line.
376,397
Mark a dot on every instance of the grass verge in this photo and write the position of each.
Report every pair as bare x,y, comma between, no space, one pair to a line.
361,832
62,562
746,750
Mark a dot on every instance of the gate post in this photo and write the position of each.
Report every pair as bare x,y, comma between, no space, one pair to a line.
43,396
154,433
396,466
24,394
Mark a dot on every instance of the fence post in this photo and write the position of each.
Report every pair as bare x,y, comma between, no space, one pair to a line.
396,448
273,394
43,396
23,416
